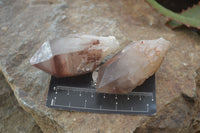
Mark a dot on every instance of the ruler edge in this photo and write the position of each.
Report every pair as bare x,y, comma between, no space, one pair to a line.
103,112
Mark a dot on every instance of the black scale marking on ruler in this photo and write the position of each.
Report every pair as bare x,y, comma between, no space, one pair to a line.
79,94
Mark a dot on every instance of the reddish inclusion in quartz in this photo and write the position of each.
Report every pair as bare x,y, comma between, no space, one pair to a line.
73,55
75,63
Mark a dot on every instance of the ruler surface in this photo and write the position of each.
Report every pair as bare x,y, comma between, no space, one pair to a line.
79,94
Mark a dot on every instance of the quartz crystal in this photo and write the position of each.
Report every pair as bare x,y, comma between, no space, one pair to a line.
73,55
131,66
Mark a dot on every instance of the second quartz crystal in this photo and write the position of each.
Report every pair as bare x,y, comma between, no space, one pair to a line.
132,66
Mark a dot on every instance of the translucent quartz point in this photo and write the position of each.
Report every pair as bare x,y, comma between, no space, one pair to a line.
73,55
131,66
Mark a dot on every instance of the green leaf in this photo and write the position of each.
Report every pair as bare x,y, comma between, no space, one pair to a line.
173,24
193,12
190,17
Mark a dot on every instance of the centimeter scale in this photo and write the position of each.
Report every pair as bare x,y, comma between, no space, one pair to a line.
79,94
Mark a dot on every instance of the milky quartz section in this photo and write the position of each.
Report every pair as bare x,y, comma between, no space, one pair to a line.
73,55
131,66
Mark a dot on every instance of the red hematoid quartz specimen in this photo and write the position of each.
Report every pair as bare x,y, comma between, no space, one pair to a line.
73,55
131,66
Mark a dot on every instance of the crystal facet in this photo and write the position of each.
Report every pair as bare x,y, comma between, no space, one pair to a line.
73,55
131,66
